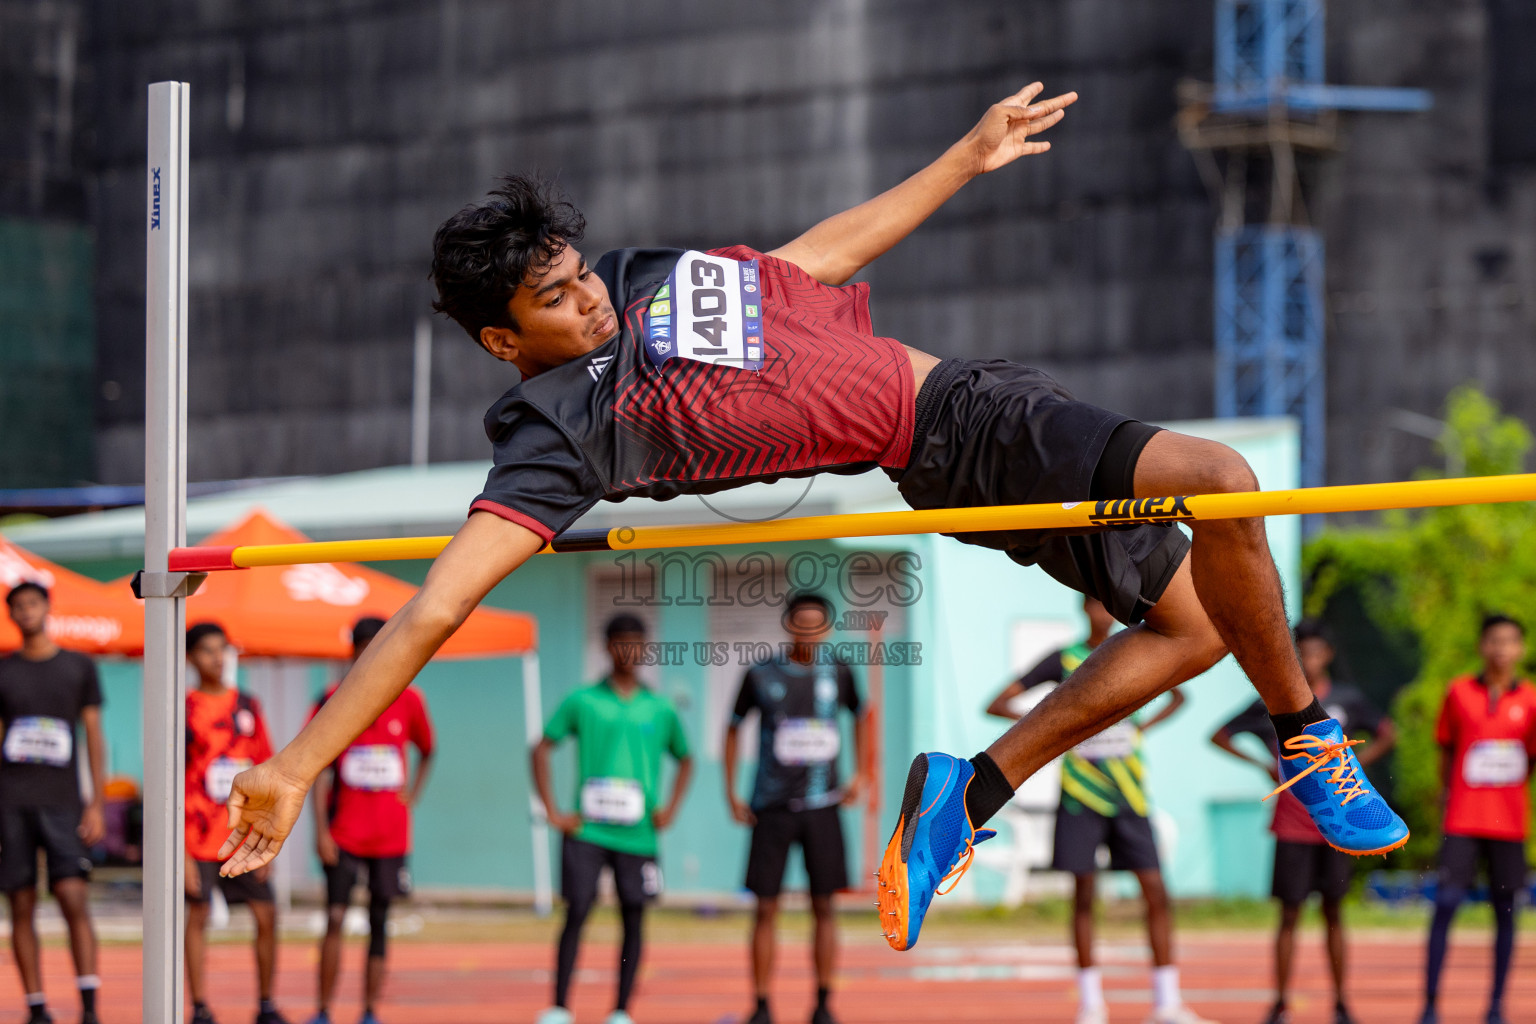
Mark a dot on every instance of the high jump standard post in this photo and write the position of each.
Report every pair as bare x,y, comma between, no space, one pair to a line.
165,528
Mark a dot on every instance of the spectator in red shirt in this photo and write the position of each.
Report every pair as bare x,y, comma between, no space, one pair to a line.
363,824
226,734
1487,732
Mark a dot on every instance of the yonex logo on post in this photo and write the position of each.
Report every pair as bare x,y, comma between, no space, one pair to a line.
154,209
1141,511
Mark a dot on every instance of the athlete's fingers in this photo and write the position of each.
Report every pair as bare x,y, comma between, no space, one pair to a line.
236,805
1053,105
233,843
255,852
1027,93
1040,124
234,862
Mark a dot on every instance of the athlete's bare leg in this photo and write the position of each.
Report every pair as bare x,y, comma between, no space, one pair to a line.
1234,573
1175,643
1226,593
1159,916
1084,888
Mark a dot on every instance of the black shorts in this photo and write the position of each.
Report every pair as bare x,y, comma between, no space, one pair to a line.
636,879
388,878
54,830
1080,834
1504,858
819,831
246,888
1302,869
996,433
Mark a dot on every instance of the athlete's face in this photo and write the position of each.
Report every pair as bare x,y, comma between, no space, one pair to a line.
1502,647
808,624
207,658
29,611
1316,655
627,650
561,315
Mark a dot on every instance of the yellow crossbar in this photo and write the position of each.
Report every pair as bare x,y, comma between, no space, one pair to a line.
1085,515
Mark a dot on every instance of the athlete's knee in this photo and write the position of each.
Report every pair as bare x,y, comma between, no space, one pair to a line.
335,917
378,926
1333,912
1449,897
1153,890
1224,471
767,908
1083,892
70,894
821,907
577,910
1290,913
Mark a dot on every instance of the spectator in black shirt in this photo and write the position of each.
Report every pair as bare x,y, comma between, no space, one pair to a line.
1304,862
46,694
797,792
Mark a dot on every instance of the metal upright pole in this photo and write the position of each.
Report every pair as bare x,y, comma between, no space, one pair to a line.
421,393
533,727
165,527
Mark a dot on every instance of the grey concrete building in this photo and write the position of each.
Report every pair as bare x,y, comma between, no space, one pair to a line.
330,138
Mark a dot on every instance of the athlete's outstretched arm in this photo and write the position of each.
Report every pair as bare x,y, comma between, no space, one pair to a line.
842,245
267,799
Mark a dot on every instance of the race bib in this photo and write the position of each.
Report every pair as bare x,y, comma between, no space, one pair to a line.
806,741
1119,740
612,801
39,739
376,767
220,777
1495,763
710,310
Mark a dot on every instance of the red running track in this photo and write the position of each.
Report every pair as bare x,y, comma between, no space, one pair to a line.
1225,977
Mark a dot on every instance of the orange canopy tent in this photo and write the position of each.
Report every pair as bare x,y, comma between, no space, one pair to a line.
88,616
307,611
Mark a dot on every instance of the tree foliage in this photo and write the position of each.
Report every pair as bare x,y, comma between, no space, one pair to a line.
1431,576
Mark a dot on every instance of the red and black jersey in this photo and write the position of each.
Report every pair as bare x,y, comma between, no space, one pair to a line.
829,396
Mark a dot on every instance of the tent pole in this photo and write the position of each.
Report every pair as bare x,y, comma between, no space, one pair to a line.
165,495
533,716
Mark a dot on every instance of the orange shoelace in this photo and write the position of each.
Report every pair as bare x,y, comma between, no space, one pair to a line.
961,867
1319,752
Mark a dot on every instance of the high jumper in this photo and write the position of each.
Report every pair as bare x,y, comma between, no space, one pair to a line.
660,372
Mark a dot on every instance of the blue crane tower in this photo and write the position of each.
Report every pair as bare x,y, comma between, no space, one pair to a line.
1268,107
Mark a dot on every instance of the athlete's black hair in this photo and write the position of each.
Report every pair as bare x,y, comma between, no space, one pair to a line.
197,633
1312,629
623,624
22,588
365,629
483,253
1499,619
800,598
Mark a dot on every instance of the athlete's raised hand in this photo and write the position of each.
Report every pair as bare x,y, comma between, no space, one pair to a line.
1005,132
263,805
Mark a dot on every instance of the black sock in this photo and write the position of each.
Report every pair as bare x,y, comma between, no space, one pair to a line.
88,1000
267,1006
1293,722
762,1004
988,792
821,997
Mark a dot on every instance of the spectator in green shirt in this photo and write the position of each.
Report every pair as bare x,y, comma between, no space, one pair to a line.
622,732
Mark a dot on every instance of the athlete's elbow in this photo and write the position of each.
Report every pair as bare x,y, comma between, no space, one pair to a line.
434,617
